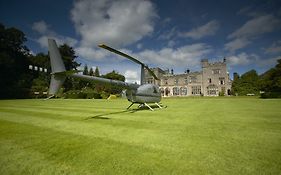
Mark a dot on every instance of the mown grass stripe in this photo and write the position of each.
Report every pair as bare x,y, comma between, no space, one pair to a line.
48,157
123,134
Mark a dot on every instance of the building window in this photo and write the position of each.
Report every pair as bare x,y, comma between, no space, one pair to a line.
176,91
212,89
183,91
216,71
193,79
222,80
210,80
162,91
150,81
196,90
186,80
176,81
167,91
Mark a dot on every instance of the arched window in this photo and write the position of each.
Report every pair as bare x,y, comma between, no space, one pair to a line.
212,90
176,91
162,91
183,91
167,92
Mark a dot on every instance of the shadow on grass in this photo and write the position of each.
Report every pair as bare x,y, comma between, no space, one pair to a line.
102,116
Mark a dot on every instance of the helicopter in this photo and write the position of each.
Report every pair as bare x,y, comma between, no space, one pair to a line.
143,94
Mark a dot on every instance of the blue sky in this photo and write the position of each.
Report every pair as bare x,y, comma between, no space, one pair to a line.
168,34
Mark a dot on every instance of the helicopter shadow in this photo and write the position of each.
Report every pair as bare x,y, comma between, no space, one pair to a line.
103,116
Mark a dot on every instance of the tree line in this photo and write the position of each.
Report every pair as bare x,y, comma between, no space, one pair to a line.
18,81
267,85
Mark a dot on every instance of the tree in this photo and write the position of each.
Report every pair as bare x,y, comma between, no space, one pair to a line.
113,89
97,72
68,56
270,82
248,83
85,71
91,72
14,73
40,80
114,76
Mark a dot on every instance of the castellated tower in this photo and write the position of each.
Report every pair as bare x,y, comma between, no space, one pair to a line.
215,78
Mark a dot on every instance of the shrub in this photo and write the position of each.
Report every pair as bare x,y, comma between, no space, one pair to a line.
271,95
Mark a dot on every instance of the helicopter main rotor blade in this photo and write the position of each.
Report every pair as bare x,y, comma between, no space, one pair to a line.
129,57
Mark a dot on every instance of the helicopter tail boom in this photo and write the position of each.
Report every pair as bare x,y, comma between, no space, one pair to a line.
59,73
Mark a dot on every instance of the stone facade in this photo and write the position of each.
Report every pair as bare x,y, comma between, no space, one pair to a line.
213,80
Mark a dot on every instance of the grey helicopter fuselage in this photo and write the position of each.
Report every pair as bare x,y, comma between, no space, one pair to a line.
147,93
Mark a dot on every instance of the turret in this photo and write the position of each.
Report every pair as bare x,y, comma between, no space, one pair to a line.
204,63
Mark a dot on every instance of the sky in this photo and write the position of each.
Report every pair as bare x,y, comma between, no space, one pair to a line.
167,34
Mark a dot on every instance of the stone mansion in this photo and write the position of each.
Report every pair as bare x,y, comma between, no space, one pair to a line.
213,80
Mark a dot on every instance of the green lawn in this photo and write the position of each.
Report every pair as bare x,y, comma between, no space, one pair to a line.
190,136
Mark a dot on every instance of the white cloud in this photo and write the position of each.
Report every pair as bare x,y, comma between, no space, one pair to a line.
244,10
256,26
40,27
168,20
91,53
270,62
43,40
274,48
44,30
116,22
171,43
244,59
252,29
132,76
166,35
186,55
207,29
236,44
139,45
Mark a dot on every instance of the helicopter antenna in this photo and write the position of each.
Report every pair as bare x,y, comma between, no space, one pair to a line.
132,59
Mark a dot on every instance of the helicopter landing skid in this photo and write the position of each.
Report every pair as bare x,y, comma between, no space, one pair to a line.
159,105
145,104
148,106
130,106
